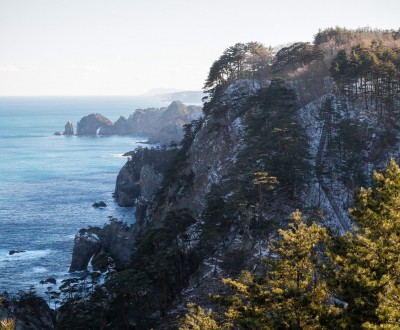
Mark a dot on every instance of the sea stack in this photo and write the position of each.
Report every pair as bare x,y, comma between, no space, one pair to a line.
69,129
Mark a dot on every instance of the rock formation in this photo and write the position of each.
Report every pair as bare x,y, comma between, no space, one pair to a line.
142,174
100,204
86,245
69,129
89,125
115,239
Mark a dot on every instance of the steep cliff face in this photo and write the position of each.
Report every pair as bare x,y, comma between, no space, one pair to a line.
142,174
211,154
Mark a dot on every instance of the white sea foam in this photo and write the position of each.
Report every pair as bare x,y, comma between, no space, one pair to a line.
39,270
22,256
118,155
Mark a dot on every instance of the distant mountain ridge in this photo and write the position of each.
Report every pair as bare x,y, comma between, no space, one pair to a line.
171,94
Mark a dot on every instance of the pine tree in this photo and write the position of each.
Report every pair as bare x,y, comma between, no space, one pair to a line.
198,319
7,324
370,267
292,294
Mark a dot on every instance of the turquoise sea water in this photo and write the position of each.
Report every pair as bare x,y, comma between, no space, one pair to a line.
48,183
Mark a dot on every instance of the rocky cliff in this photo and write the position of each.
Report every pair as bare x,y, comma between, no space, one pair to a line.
264,148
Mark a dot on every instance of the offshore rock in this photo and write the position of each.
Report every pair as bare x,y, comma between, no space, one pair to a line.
12,252
115,238
100,204
90,125
69,129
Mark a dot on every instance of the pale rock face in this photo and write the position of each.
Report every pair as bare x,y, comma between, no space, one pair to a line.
150,180
69,129
127,187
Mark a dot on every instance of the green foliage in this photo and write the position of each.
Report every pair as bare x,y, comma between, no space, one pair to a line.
291,295
371,74
294,56
275,141
367,269
7,324
215,223
198,319
338,36
161,265
250,60
176,180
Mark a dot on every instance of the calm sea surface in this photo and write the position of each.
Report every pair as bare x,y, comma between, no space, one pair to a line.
48,183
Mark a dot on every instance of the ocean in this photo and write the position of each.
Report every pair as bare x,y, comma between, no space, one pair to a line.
48,183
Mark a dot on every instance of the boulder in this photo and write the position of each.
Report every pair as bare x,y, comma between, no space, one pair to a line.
99,204
69,129
12,252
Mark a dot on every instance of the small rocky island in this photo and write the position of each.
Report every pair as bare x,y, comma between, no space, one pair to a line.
159,125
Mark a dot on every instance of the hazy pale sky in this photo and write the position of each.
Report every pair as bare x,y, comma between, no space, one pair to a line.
126,47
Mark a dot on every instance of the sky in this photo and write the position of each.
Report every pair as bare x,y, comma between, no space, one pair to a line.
127,47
